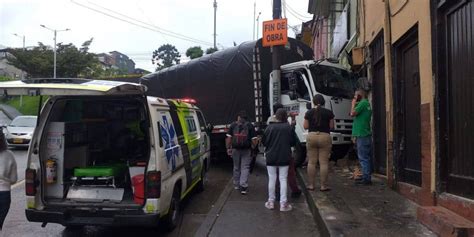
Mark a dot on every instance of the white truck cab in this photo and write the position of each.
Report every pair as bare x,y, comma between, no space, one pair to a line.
103,153
300,81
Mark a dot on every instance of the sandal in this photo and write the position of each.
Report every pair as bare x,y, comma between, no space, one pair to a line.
309,188
325,190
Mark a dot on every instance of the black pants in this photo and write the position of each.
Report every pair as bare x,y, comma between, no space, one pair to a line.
5,199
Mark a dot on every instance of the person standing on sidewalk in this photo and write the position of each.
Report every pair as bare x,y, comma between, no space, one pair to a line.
241,137
295,190
319,121
8,176
362,114
278,139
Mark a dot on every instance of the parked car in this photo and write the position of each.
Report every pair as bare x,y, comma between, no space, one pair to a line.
20,131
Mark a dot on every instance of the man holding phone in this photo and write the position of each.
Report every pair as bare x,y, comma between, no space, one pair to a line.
362,114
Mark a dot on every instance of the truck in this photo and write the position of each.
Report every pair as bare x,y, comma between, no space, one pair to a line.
240,78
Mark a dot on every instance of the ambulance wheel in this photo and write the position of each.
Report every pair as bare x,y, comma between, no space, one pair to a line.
201,186
174,211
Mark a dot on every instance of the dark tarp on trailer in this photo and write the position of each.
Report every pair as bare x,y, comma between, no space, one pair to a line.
222,83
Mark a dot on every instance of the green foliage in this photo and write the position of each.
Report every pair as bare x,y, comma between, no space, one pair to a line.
211,50
4,78
70,61
30,104
194,52
165,56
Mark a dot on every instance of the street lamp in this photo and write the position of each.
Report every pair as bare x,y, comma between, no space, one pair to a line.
55,33
22,75
23,37
258,24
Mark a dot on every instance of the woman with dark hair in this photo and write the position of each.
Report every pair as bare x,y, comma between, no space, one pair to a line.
8,176
319,121
278,139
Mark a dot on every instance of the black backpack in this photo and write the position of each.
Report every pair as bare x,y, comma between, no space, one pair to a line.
240,137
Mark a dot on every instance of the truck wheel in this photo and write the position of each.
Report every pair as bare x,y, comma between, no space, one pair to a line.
174,211
202,183
300,154
339,151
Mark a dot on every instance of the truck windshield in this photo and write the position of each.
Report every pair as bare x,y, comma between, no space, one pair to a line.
332,81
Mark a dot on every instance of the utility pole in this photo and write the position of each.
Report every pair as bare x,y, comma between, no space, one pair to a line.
23,37
215,10
55,33
258,23
22,75
254,9
276,56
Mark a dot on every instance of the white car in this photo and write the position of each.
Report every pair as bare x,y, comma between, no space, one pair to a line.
20,131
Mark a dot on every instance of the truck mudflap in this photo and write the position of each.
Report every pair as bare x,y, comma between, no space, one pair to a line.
97,217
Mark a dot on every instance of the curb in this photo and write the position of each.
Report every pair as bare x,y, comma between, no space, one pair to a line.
322,224
211,218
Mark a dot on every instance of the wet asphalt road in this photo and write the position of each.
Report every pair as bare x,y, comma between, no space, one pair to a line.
196,208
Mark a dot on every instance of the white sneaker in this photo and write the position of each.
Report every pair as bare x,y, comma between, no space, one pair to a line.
270,205
285,207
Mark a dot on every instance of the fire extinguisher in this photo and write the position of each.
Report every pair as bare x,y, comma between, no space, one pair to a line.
51,171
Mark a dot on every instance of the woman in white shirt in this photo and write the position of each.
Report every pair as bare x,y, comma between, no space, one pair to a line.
8,176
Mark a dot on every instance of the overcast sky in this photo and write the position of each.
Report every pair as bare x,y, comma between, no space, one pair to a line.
159,19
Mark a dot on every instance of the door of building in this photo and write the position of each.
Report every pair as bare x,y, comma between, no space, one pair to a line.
407,104
378,102
455,54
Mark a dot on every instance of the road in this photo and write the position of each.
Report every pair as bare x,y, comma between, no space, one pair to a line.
195,211
241,214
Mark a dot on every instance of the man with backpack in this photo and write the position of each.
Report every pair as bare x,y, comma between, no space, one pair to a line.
240,139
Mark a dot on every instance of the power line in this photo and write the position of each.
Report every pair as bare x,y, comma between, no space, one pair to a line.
295,12
297,17
149,27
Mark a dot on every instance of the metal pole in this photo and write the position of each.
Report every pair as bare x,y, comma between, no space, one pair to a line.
22,74
54,48
55,32
254,9
215,10
258,23
276,56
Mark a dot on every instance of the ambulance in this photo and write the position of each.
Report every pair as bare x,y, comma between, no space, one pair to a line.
103,153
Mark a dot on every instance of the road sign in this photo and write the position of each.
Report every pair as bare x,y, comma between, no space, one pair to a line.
275,32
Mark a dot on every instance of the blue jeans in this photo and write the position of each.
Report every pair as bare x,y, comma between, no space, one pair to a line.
4,206
364,152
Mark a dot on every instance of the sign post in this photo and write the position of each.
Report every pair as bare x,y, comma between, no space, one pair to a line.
275,32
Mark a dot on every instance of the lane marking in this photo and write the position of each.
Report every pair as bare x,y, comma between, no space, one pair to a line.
17,184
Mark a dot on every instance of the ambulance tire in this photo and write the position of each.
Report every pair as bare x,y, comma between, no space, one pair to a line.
174,212
201,186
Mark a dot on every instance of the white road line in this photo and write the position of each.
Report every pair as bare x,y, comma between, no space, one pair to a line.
18,184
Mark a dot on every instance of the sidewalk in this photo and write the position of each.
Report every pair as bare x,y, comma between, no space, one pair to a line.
245,215
350,210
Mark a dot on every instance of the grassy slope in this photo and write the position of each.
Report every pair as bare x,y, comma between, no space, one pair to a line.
30,104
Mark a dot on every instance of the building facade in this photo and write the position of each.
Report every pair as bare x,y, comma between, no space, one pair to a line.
418,57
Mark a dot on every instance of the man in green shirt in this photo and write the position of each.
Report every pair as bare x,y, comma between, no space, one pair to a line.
362,113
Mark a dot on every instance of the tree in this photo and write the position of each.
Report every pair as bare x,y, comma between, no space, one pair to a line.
211,50
165,56
194,52
70,61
